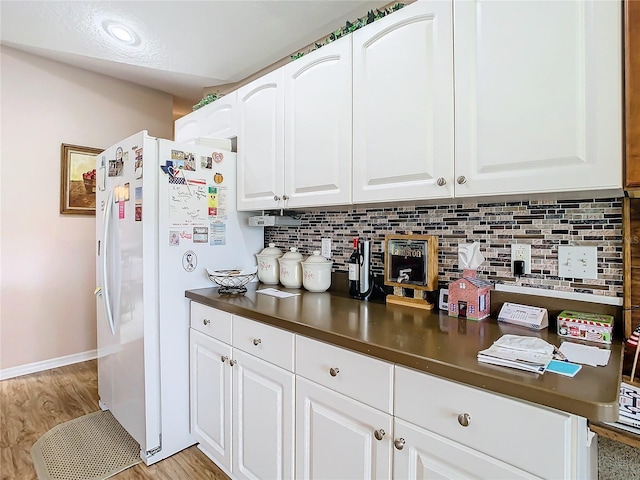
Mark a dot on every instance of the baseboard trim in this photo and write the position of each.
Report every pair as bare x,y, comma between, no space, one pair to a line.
47,364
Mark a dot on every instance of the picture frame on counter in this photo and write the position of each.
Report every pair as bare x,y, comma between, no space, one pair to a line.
78,179
411,268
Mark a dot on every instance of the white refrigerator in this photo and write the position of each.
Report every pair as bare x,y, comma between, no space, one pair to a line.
165,212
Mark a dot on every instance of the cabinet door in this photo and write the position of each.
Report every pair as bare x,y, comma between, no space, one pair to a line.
261,142
318,127
421,454
210,391
336,436
403,105
219,118
538,96
186,128
263,419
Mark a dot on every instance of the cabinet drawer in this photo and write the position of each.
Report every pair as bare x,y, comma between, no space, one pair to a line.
212,322
355,375
498,426
264,341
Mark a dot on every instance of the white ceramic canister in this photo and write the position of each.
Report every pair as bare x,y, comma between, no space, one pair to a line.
268,266
316,273
291,268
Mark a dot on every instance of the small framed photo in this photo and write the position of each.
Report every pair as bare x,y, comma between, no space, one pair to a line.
78,179
444,299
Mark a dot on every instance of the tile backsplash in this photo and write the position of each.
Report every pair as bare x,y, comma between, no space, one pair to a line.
544,224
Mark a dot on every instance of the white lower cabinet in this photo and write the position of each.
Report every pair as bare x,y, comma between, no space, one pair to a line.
421,454
263,419
268,404
338,437
242,407
210,390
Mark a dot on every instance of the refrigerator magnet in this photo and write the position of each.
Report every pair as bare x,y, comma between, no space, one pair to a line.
174,238
138,195
206,162
138,213
190,162
121,210
218,178
126,192
138,164
200,234
189,261
217,157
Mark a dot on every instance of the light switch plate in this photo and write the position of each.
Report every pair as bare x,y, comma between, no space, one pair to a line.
577,262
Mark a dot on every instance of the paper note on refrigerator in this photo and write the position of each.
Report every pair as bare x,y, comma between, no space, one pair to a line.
188,205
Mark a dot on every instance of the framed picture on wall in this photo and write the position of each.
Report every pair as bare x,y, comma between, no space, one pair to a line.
78,179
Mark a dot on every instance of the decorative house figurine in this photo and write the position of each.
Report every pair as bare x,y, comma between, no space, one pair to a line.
469,297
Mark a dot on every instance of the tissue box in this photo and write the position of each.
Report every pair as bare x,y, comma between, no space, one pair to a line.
594,327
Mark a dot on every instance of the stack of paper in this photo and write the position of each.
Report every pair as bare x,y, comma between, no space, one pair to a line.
531,354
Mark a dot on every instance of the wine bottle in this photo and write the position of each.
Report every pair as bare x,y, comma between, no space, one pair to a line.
354,270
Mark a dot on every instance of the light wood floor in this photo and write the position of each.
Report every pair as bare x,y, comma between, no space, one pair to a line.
31,405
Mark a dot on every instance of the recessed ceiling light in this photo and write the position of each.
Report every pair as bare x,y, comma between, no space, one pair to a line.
121,33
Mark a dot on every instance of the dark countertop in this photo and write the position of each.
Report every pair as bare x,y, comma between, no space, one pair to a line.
429,341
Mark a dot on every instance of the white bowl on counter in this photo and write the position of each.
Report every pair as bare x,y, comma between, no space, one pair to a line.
316,273
291,268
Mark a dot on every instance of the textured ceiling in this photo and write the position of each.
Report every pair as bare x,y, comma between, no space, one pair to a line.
184,46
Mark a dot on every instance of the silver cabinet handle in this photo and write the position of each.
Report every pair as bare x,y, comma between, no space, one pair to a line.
464,419
334,371
285,197
441,182
206,321
257,341
224,358
276,198
461,180
232,362
379,434
399,443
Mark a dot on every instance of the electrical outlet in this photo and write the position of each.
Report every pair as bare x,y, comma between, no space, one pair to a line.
326,248
521,251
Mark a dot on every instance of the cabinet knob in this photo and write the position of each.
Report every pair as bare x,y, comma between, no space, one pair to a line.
379,434
285,197
206,321
441,182
334,371
224,358
276,198
232,363
399,443
464,419
461,180
257,341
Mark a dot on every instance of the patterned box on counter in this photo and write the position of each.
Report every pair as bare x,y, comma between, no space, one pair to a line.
594,327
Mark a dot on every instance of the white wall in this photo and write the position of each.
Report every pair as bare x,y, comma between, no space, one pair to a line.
47,271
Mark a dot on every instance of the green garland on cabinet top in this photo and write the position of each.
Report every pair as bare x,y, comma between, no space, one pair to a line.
348,28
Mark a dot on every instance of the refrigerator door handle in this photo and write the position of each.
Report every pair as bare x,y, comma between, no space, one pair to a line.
105,275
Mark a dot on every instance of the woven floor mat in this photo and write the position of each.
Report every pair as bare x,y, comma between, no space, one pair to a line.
91,447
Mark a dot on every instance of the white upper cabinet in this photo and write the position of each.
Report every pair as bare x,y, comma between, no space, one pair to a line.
261,142
537,96
403,126
215,120
317,126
